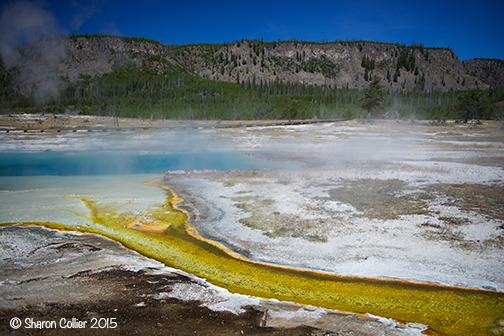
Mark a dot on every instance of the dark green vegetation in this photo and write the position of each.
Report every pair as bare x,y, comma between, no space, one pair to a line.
472,103
167,86
175,93
373,95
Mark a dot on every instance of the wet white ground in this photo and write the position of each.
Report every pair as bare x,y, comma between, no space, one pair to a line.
330,154
396,248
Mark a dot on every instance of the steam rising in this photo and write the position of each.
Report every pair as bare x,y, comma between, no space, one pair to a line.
37,60
22,21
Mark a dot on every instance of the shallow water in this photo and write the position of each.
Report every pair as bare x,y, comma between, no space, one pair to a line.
82,191
111,163
41,198
161,232
34,184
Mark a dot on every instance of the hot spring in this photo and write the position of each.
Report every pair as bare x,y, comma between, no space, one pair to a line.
38,173
109,188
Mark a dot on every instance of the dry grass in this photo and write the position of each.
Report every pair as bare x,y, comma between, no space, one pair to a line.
48,121
372,198
230,178
265,217
487,200
380,198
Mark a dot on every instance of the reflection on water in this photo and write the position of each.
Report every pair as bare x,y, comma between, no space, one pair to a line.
161,232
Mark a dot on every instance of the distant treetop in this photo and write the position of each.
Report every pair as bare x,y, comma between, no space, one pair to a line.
415,45
498,60
125,38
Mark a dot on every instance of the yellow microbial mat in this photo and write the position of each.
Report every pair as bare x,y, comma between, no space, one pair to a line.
162,233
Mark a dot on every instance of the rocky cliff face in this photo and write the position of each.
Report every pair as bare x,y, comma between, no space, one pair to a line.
489,71
42,66
71,57
43,63
353,64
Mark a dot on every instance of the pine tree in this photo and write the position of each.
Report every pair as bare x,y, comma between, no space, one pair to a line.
373,95
472,103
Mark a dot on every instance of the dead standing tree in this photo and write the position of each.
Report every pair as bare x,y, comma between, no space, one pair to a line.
116,120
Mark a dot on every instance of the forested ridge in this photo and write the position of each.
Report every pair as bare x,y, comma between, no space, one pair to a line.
247,79
488,70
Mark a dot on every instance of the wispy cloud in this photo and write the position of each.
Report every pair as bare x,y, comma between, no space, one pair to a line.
111,29
84,13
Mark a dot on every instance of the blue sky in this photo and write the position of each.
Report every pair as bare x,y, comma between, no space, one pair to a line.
473,29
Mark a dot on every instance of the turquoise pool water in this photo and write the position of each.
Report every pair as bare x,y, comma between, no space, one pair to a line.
110,163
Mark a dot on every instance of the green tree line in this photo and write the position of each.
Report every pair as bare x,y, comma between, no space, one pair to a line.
175,93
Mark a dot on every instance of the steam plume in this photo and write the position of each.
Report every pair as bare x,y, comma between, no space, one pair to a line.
39,58
22,21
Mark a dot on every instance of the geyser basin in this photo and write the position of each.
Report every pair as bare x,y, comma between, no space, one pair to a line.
161,232
441,307
107,163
